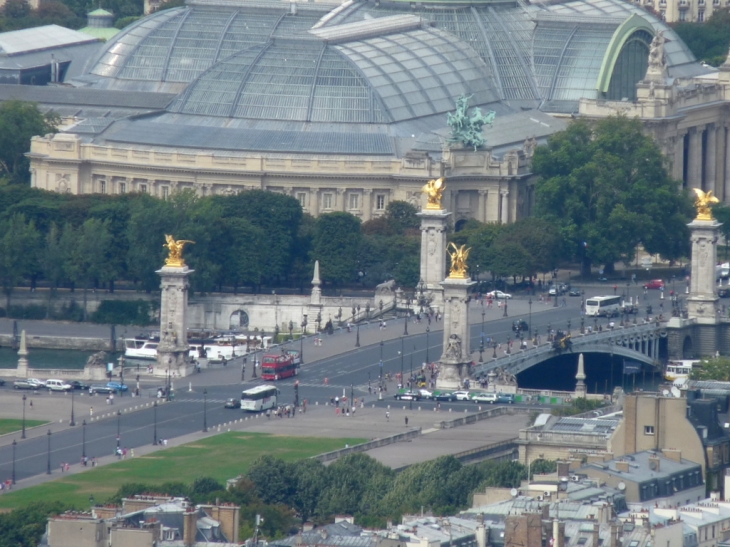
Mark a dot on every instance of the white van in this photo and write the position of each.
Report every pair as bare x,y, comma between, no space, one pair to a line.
58,385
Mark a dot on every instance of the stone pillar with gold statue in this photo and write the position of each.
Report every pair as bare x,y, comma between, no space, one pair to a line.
456,357
173,350
434,224
702,304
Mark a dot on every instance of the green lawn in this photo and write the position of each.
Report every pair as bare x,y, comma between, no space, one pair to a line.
10,425
221,457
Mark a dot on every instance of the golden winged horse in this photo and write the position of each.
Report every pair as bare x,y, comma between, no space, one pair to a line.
703,203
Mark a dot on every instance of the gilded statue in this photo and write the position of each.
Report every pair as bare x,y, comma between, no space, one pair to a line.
458,261
434,189
703,204
175,249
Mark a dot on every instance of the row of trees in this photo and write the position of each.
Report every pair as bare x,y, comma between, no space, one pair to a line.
708,41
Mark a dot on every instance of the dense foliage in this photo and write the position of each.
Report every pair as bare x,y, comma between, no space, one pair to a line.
605,186
251,239
708,41
717,368
287,493
24,527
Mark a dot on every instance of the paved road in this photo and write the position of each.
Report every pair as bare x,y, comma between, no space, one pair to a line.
345,367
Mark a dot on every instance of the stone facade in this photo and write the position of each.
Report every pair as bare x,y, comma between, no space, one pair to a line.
173,350
702,304
455,360
674,11
481,186
434,225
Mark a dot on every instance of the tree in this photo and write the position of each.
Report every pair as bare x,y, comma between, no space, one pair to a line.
401,216
717,368
709,40
51,263
18,252
16,9
19,122
24,527
86,251
337,242
605,187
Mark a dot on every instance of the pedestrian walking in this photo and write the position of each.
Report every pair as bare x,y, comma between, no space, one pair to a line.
406,421
91,411
387,416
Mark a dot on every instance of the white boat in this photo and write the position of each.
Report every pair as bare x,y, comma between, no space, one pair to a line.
215,350
140,348
678,372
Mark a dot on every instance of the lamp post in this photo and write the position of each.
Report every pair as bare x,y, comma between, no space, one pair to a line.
205,410
428,330
401,359
154,434
380,306
301,340
72,423
509,339
357,336
405,324
119,427
628,286
291,331
494,347
367,310
505,308
568,326
22,435
380,374
83,439
15,444
529,320
582,327
339,317
549,332
48,466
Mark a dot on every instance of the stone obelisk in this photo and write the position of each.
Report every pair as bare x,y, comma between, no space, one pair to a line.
580,384
456,358
702,303
173,350
23,356
434,224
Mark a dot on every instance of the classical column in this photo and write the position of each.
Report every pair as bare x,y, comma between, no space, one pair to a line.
493,206
340,205
367,204
711,159
678,163
694,158
314,202
720,163
483,205
504,211
727,163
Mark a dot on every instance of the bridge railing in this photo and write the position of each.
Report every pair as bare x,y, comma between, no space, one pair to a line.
533,352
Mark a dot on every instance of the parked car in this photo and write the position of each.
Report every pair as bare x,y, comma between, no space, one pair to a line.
654,284
58,385
425,394
484,397
520,325
232,403
116,386
499,295
24,384
443,396
461,395
506,398
408,396
36,382
102,389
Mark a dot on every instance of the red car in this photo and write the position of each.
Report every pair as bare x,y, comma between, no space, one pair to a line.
654,284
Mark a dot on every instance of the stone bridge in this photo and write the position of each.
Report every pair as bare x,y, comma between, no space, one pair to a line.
637,342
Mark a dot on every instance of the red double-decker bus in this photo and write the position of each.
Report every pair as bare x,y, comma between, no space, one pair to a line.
276,367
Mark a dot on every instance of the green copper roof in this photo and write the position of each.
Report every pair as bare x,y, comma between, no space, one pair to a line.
101,33
100,11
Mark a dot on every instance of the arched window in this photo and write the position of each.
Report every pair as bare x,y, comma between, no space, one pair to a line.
630,67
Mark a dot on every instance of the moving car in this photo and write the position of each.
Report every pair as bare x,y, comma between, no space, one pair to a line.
232,403
425,394
461,395
506,398
654,284
101,388
484,397
24,384
58,385
443,396
499,295
408,396
79,385
520,325
574,292
116,386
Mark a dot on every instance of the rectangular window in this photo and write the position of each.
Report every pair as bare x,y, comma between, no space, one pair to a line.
302,199
701,16
326,201
682,15
122,187
354,201
648,430
143,188
380,202
102,187
165,192
701,2
715,2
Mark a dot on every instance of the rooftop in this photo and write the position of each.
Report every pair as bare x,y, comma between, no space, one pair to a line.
29,40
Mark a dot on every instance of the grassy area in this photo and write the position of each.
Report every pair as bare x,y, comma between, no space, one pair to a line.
220,457
11,425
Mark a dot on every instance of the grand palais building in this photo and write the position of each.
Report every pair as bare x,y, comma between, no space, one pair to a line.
343,105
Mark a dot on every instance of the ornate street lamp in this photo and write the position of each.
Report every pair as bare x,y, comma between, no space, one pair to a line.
205,410
48,467
494,347
428,330
15,444
119,427
22,435
154,434
83,439
72,423
291,331
529,326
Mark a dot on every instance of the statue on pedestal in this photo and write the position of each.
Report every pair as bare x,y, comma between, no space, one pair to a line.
175,249
458,261
434,189
703,203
